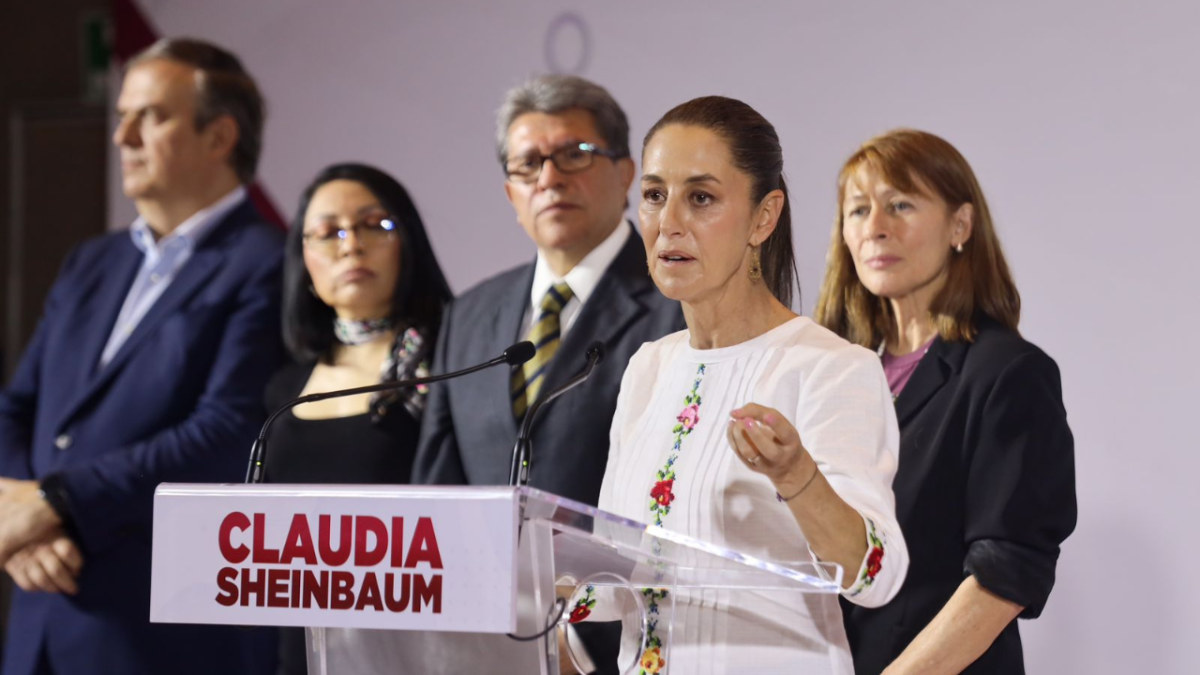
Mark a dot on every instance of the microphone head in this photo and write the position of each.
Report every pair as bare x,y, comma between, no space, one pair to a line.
595,351
519,353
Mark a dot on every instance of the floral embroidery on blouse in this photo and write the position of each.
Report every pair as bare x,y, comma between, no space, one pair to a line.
662,494
583,606
874,561
652,659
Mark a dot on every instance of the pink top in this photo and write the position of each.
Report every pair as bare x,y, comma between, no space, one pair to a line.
899,369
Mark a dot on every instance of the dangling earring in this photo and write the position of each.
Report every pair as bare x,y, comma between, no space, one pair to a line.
313,291
755,265
958,248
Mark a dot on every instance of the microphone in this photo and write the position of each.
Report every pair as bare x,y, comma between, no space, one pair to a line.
515,355
519,474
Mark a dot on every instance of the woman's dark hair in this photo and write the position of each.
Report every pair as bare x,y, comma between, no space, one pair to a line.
421,289
755,149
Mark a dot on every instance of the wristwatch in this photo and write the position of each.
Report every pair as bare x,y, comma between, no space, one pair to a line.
53,490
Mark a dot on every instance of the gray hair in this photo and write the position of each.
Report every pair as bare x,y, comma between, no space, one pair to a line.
223,87
552,94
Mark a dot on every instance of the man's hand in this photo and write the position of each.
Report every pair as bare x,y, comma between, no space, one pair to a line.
25,517
49,566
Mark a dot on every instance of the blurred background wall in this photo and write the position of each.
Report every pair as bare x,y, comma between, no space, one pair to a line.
54,69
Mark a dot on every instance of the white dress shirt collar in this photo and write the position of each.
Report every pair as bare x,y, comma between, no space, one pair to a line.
191,231
584,277
161,261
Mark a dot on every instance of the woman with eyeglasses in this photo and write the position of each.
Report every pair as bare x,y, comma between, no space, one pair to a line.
363,301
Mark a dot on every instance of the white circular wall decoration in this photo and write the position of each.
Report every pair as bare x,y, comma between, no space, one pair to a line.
568,44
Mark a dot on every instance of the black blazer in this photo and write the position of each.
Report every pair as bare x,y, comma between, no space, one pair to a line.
985,486
468,432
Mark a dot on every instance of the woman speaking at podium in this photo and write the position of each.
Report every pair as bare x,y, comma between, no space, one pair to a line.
755,428
363,300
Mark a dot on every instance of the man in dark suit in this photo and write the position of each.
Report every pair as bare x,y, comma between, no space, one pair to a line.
564,145
148,366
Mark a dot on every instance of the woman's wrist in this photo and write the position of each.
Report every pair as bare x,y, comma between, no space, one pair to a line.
797,479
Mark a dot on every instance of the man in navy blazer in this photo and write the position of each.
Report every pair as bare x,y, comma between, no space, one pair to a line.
148,366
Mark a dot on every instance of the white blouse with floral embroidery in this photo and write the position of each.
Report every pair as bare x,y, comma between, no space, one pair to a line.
670,463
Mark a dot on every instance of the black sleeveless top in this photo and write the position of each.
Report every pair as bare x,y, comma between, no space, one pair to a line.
340,449
336,450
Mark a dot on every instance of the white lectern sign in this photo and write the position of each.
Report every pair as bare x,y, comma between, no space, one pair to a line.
402,558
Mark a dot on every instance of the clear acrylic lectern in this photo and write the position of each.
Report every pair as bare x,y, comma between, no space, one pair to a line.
558,560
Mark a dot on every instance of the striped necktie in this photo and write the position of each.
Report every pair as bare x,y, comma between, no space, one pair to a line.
544,334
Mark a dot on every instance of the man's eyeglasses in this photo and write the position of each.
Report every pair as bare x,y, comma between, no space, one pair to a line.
568,159
371,230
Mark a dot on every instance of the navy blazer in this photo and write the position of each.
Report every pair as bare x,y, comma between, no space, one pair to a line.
181,401
985,487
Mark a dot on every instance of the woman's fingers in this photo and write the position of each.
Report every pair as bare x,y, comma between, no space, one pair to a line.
781,428
753,410
784,432
763,440
744,450
772,419
756,444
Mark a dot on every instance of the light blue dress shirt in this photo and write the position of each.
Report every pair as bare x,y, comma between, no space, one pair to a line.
163,260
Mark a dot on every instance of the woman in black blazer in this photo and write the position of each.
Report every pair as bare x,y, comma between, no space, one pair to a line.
985,490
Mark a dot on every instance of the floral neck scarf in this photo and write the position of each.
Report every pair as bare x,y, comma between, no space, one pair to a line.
360,332
408,358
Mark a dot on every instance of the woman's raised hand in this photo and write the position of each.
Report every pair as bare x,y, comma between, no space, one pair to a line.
767,443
